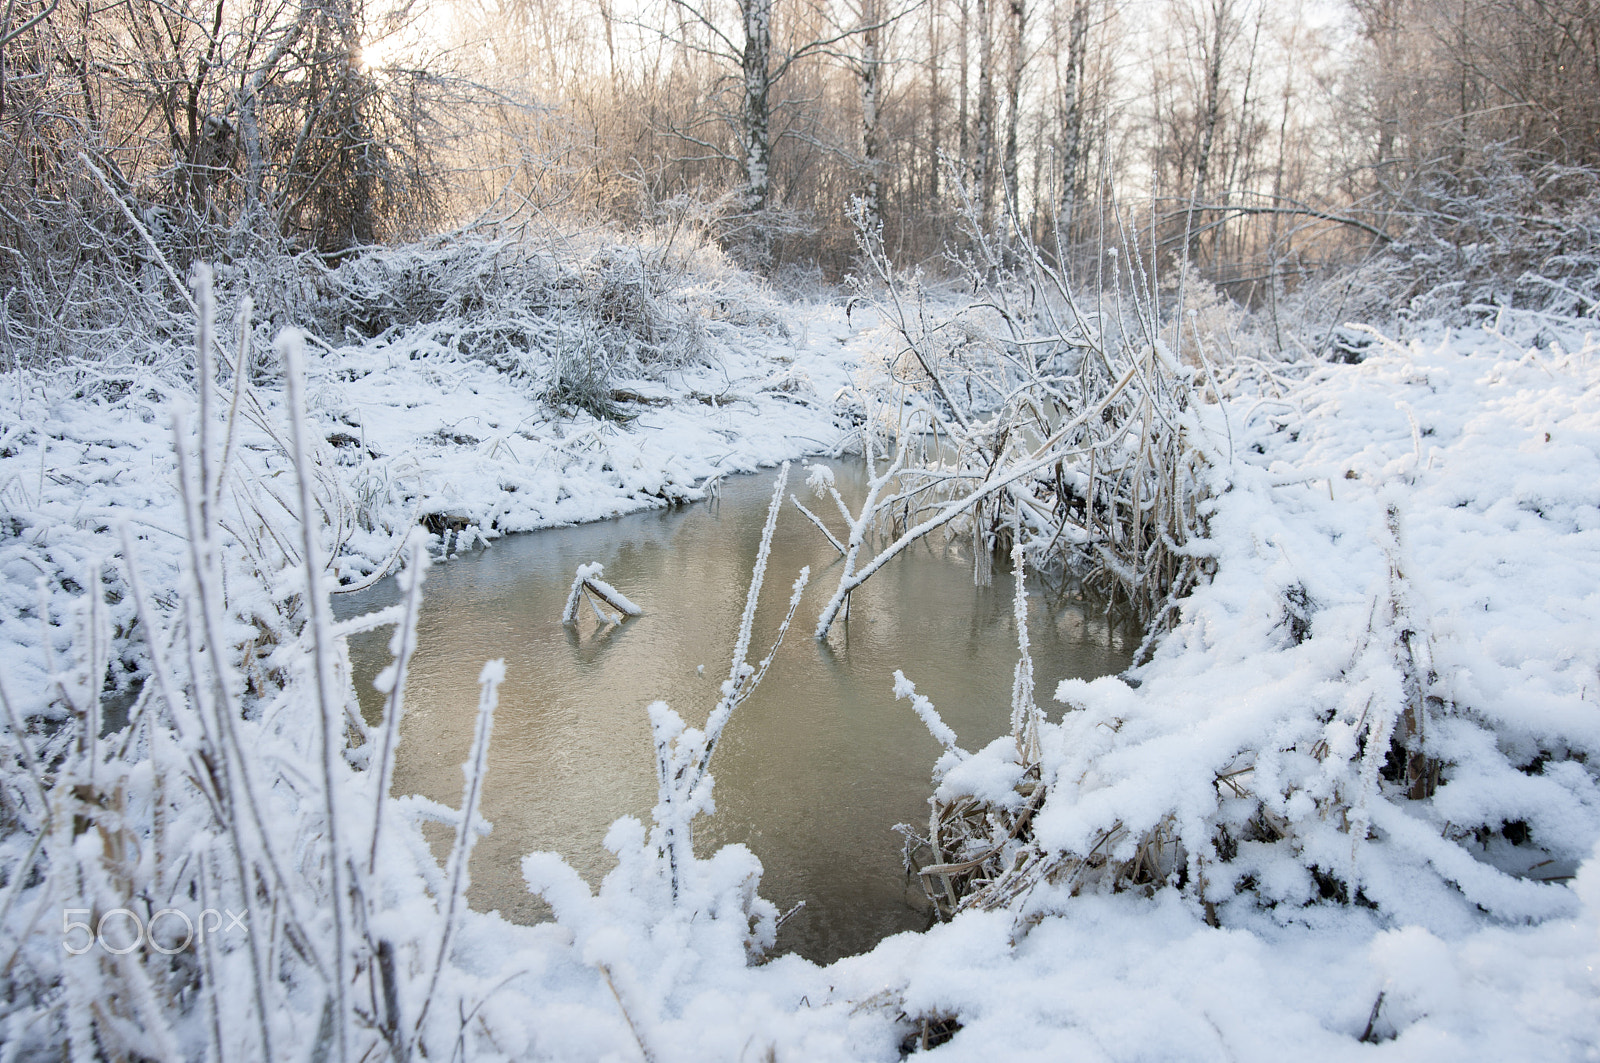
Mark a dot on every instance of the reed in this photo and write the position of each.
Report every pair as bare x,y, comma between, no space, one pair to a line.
1063,427
683,754
241,783
1067,433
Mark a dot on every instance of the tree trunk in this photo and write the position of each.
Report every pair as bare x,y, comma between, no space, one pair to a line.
870,73
1072,120
983,163
1240,170
935,106
1018,57
756,119
1211,109
965,60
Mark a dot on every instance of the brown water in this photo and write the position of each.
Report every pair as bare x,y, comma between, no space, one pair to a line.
813,771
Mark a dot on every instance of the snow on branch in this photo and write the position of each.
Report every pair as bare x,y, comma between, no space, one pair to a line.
905,688
588,581
683,754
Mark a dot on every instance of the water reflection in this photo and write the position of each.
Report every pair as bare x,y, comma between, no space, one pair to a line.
813,771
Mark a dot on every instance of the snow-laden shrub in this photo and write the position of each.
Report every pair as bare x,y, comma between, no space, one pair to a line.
1512,243
572,313
1385,694
572,317
1503,235
1030,411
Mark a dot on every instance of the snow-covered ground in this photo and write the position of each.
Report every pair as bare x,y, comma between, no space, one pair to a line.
1438,504
1268,711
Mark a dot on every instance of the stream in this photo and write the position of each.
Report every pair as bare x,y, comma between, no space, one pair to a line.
814,770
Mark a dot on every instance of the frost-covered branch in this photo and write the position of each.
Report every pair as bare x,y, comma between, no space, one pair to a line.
1075,433
683,754
392,682
588,581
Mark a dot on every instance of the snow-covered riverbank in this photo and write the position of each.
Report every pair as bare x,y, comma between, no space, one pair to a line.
405,432
1422,529
1475,933
1433,511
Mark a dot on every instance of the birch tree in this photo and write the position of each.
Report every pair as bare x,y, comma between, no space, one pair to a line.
870,74
1072,75
983,160
1017,59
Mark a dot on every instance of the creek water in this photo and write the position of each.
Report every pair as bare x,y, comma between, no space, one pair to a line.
814,770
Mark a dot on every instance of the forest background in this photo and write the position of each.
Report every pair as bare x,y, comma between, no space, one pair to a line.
1454,141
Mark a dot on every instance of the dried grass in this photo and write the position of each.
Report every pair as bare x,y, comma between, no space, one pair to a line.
1066,435
230,787
1037,420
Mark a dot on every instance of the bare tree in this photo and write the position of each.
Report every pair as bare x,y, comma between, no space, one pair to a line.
1017,60
983,157
935,61
870,74
761,68
1072,89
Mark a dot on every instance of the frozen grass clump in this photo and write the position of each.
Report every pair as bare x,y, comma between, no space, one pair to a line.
573,317
1030,414
207,842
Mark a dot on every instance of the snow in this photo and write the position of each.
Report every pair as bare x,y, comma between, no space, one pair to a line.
588,577
1425,525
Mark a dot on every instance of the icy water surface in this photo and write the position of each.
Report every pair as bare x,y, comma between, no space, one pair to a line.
814,770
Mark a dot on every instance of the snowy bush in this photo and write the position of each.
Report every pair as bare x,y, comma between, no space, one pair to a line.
1032,412
571,317
1381,698
1514,241
1504,235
